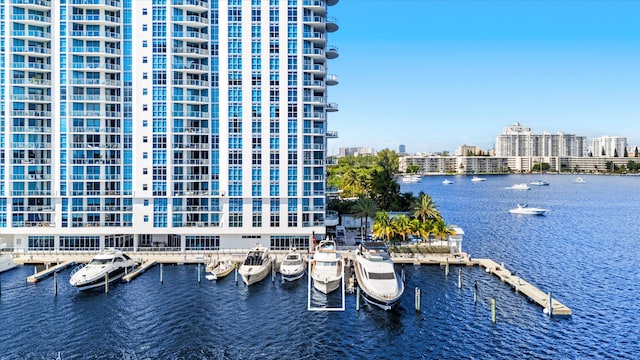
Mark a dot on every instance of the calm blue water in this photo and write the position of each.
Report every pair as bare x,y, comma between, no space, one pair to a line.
585,251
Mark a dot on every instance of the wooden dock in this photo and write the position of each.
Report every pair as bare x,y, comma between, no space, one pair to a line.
141,269
48,272
524,287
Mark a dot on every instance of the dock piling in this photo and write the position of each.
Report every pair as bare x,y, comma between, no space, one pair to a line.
273,271
357,298
446,268
417,299
459,278
55,284
236,275
475,292
493,310
106,283
198,273
161,282
550,305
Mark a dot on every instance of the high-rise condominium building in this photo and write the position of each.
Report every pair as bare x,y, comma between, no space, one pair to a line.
189,124
608,146
517,140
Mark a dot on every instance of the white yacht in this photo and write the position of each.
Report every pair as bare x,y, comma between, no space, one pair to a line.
524,209
376,275
292,266
447,182
327,267
256,265
478,179
522,186
109,261
579,180
6,260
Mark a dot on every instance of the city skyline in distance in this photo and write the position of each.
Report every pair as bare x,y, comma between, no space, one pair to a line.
434,75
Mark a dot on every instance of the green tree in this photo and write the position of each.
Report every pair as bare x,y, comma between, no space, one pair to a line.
424,208
440,230
382,226
420,229
402,225
413,168
364,208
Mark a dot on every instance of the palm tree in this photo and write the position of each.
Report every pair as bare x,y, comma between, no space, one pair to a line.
382,227
364,208
425,208
402,226
441,230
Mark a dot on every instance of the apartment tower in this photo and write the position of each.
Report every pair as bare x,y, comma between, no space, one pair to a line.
183,124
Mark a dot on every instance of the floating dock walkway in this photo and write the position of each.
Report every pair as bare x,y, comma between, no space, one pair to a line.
49,271
146,265
524,287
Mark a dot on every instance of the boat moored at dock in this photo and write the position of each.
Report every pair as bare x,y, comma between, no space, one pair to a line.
109,263
381,286
256,265
220,268
327,267
293,266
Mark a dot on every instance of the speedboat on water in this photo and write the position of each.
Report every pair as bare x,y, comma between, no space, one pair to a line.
478,179
522,186
256,265
109,263
539,183
292,266
220,268
411,178
524,209
327,267
447,182
376,275
579,180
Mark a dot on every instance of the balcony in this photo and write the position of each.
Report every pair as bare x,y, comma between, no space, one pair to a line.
332,52
192,20
331,107
316,84
332,2
317,6
315,21
332,161
95,19
315,68
193,5
314,100
332,80
332,24
314,36
331,218
314,53
97,3
35,4
332,134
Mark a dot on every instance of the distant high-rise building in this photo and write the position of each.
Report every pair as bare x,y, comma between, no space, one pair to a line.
402,149
517,140
608,146
191,124
355,151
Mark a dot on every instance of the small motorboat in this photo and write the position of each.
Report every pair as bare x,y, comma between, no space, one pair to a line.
6,260
478,179
110,264
524,209
539,183
579,180
447,182
256,265
292,267
522,186
220,269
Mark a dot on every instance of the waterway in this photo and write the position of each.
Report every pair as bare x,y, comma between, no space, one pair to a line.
585,251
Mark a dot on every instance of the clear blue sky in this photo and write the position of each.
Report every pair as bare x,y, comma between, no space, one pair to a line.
437,74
